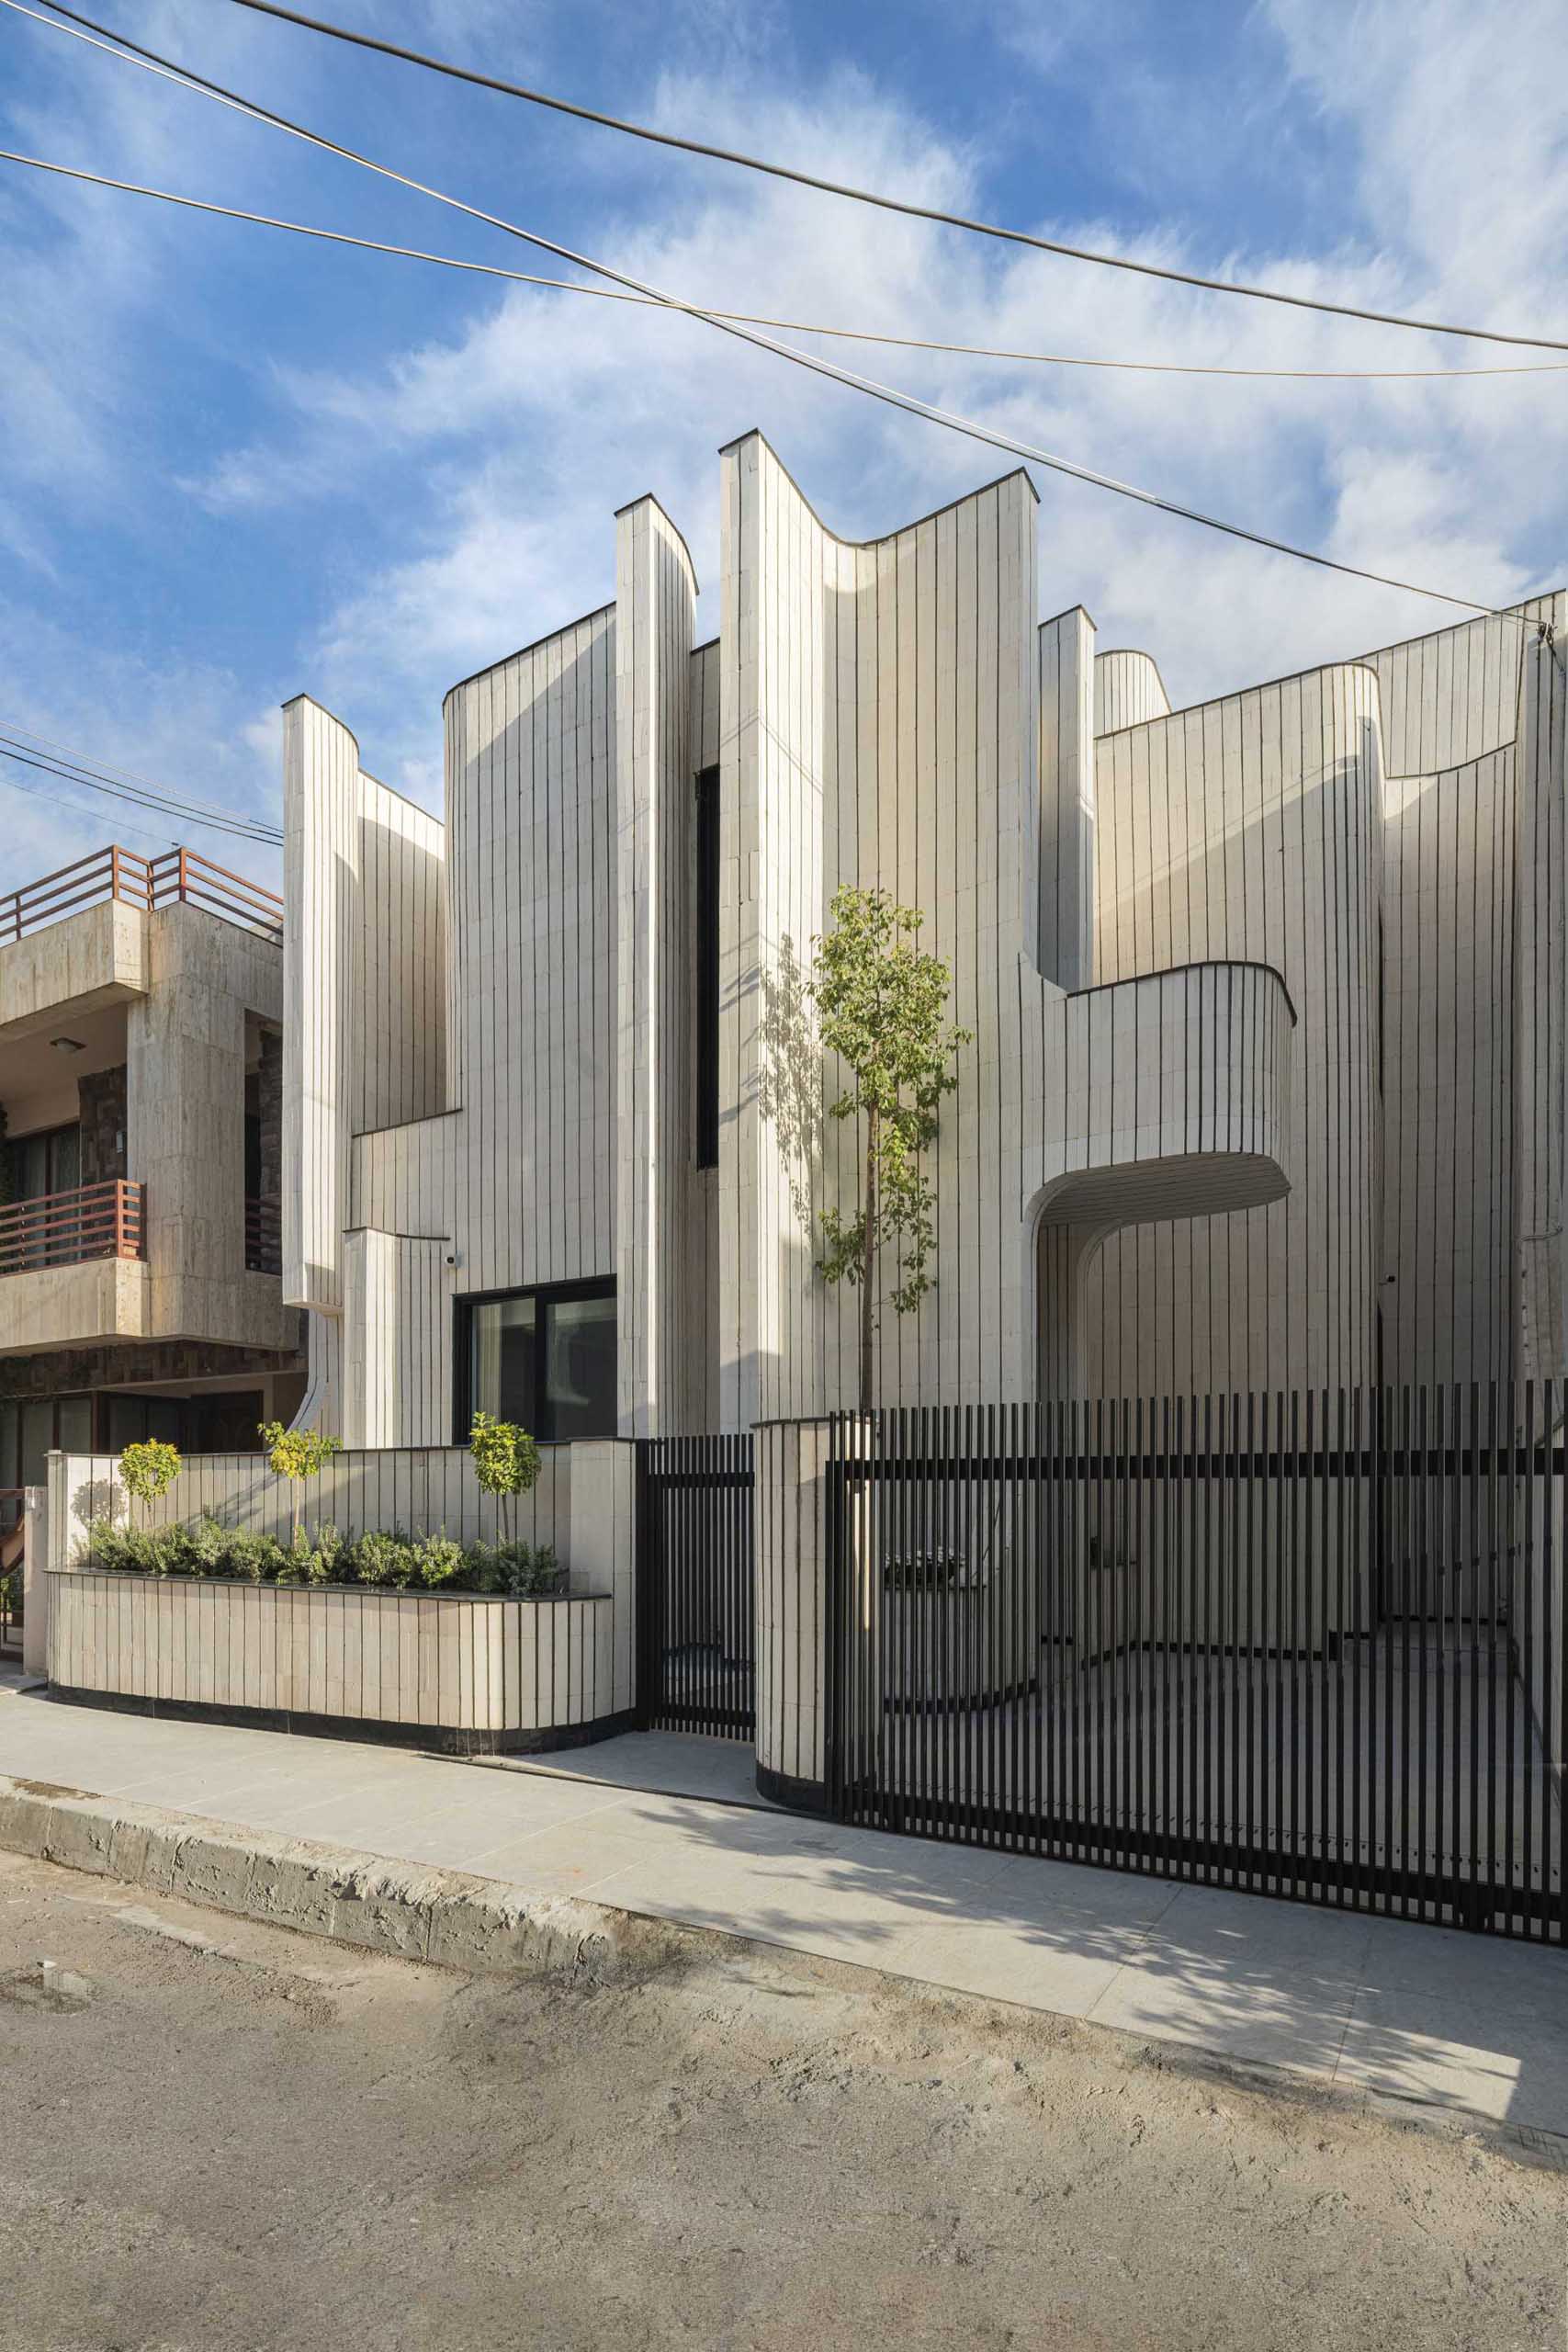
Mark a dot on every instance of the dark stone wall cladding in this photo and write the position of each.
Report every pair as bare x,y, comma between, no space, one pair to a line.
101,1100
269,1105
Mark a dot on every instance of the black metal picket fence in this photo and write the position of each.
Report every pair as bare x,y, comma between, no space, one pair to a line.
696,1606
11,1503
1310,1645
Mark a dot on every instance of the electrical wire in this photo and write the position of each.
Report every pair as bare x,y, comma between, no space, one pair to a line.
868,196
787,326
28,740
213,822
218,819
133,53
80,809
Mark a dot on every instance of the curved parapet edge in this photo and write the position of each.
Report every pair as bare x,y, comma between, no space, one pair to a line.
1128,689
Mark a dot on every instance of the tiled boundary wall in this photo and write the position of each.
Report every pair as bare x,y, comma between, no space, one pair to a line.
489,1673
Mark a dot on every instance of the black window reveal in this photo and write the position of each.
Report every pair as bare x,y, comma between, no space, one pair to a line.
707,969
543,1358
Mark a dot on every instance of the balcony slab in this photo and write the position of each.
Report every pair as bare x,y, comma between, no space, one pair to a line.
62,1307
96,958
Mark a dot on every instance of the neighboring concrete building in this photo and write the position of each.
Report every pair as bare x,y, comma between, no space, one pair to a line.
141,1085
1267,1081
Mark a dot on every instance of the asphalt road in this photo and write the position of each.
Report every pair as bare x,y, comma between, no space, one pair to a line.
221,2138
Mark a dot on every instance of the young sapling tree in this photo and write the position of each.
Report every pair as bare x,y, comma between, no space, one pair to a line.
297,1454
881,1009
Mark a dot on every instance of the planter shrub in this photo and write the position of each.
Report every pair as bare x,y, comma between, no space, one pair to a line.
385,1561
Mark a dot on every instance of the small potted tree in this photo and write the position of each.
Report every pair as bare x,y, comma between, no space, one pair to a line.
147,1472
506,1464
297,1454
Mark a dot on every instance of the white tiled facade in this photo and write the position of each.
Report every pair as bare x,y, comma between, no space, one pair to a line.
1267,1080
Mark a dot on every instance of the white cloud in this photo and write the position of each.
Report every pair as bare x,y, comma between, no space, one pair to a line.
501,447
170,721
546,413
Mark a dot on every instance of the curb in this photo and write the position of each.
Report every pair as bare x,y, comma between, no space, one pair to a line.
453,1919
447,1918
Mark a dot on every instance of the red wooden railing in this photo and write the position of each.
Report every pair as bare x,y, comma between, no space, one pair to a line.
263,1236
68,1228
177,874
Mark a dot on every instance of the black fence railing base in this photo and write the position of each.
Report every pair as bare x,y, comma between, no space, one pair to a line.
1326,1881
785,1789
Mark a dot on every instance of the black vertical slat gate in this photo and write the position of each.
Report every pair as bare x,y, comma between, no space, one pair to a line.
12,1499
696,1611
1309,1645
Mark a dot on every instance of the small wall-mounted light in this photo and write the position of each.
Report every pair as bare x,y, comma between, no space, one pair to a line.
68,1044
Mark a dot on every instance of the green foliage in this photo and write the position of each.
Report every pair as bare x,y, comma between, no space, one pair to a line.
251,1554
208,1542
380,1561
383,1560
506,1458
438,1561
882,1010
514,1571
149,1470
141,1551
297,1453
506,1461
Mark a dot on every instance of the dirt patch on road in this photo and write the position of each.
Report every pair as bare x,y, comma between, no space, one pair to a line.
247,2140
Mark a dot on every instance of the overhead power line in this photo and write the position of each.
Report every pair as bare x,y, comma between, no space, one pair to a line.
25,753
133,53
110,773
80,809
871,196
785,326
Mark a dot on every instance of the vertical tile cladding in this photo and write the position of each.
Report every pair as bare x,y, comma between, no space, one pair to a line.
880,728
1251,828
531,857
364,1028
655,1124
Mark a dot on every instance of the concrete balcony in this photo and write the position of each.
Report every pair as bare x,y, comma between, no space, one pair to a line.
73,1268
1163,1096
1169,1095
76,940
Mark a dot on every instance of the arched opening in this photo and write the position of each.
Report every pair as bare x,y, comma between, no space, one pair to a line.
1061,1252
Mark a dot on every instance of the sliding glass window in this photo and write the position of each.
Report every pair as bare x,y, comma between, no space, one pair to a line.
545,1358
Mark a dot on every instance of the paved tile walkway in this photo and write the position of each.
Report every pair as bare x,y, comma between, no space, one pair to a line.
671,1826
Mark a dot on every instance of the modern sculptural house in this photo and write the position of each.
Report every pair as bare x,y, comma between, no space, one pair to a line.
1267,999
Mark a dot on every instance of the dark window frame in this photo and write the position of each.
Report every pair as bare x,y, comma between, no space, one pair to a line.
50,1138
545,1295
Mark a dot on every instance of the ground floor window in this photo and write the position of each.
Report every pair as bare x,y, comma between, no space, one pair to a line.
31,1427
545,1358
212,1422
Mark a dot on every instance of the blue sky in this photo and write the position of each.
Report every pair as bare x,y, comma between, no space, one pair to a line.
234,466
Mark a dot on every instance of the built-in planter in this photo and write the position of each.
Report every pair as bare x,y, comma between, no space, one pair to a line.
970,1644
461,1671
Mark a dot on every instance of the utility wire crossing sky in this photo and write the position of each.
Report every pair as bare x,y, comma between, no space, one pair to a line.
103,37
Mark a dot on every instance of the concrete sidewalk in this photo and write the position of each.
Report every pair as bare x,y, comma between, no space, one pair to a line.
671,1829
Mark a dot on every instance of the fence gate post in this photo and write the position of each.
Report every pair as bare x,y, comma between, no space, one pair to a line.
818,1683
35,1583
602,1551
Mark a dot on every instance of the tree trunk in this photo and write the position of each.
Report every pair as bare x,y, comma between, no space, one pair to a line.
868,1270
